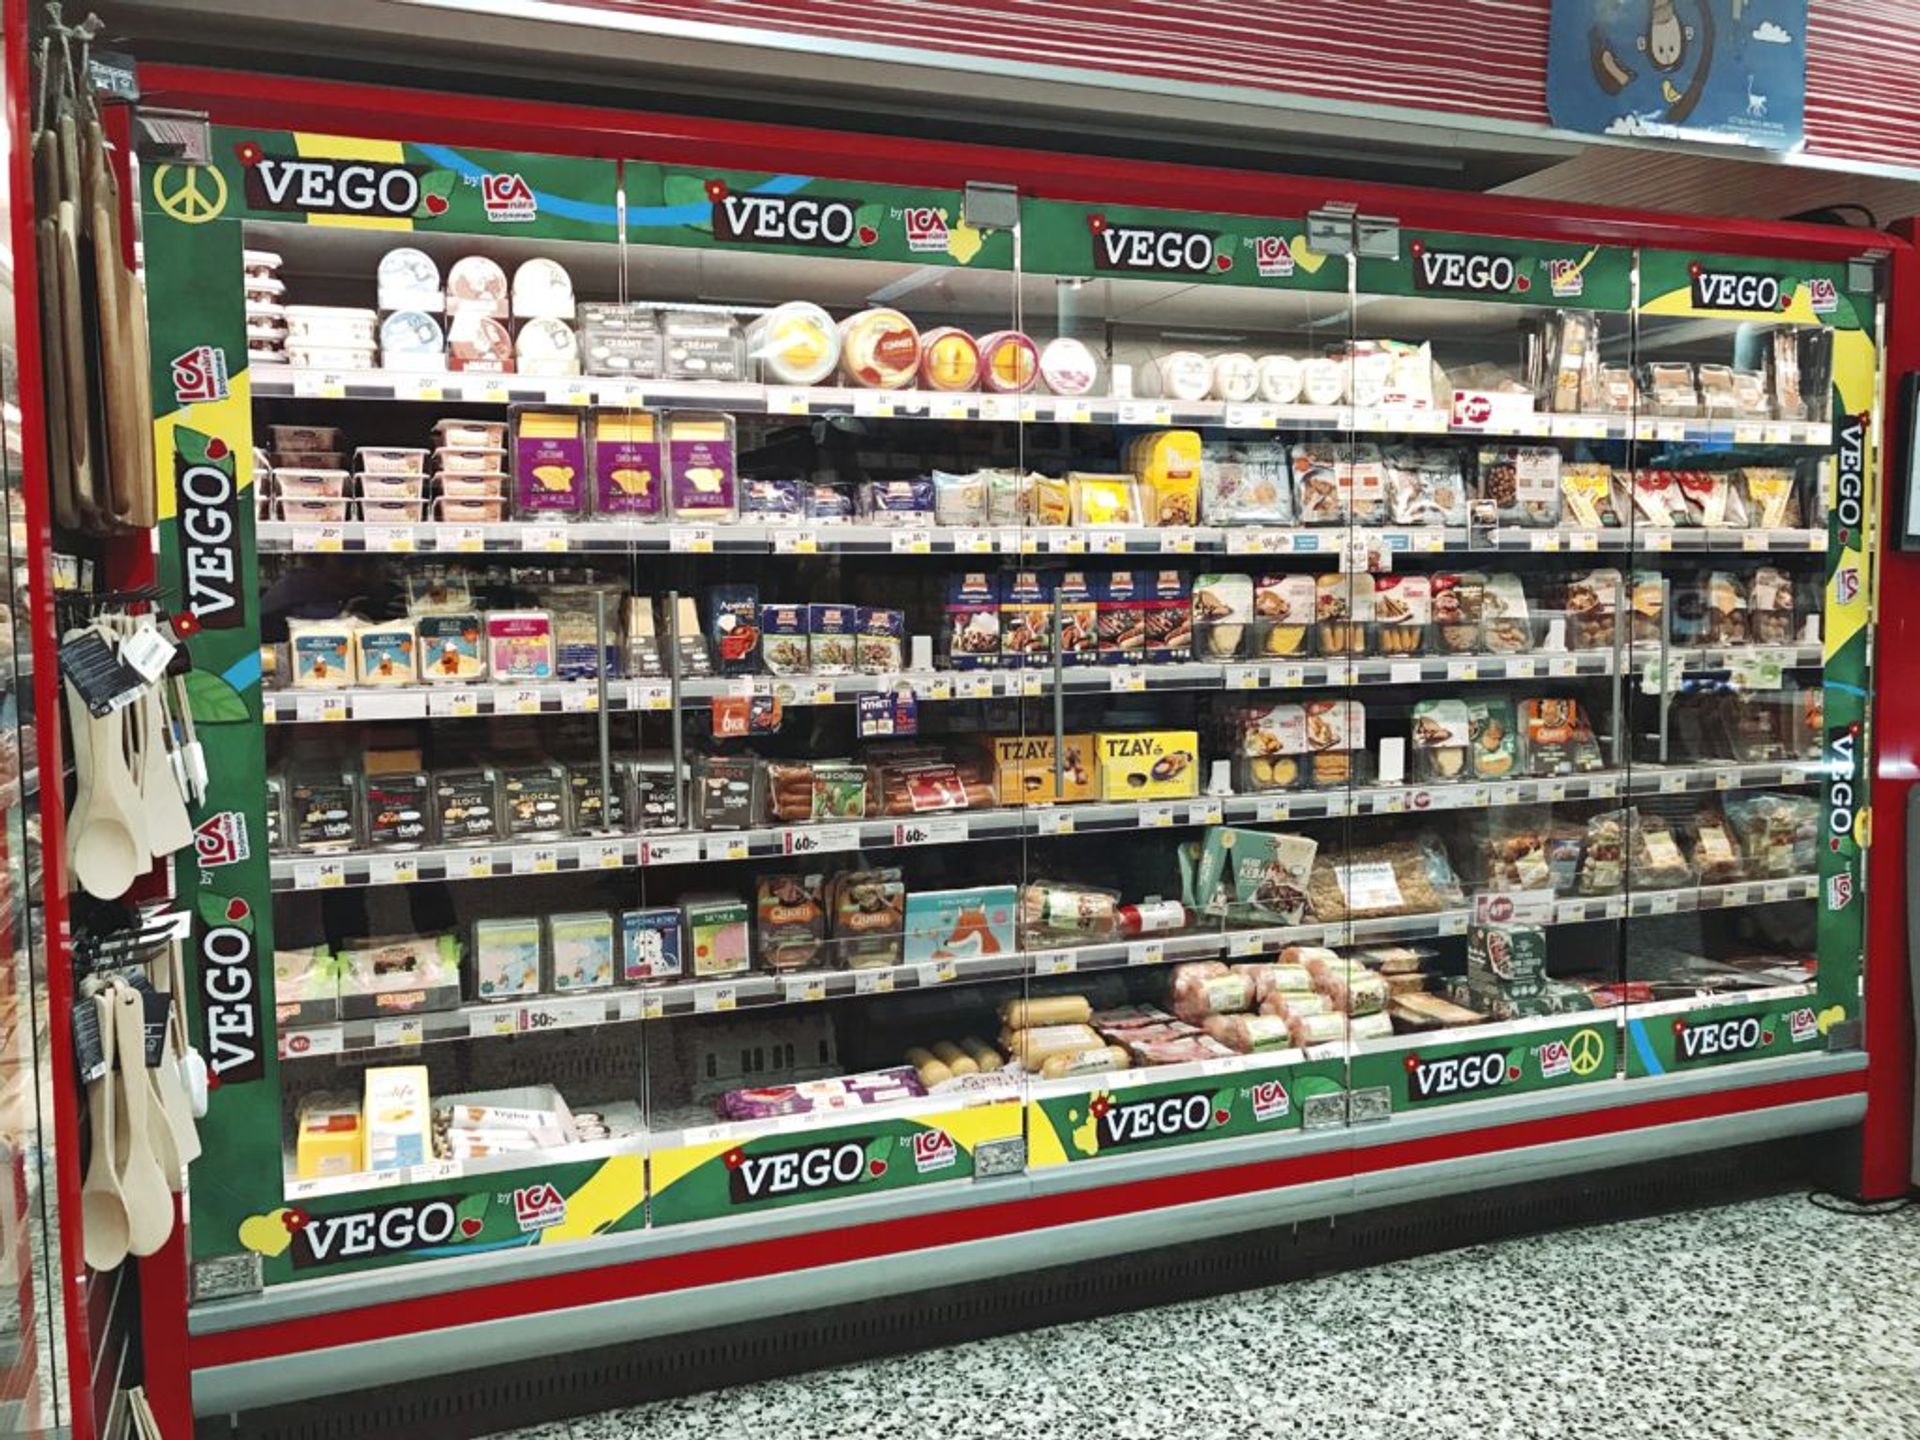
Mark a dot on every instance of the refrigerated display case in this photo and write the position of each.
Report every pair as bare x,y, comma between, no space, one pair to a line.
954,696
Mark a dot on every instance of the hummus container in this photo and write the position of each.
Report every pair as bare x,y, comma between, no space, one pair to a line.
949,359
1184,375
542,290
261,263
393,487
317,512
469,460
880,349
388,460
337,325
546,347
475,285
697,345
479,343
470,434
1324,381
290,438
493,485
393,512
410,337
409,280
1009,363
1235,377
299,484
309,459
795,344
329,357
1278,379
470,512
1068,367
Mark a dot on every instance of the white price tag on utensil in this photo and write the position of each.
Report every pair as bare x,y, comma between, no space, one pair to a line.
393,869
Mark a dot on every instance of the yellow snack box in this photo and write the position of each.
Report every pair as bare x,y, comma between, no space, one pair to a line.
1023,772
1148,765
1168,464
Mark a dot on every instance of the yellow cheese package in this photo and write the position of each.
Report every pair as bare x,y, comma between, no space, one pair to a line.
1024,772
549,462
328,1142
1148,765
397,1117
1168,464
1105,499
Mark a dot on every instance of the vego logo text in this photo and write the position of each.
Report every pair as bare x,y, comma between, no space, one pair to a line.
1155,249
818,221
807,1171
1719,1039
1735,290
331,187
1449,1076
1166,1117
373,1233
1466,272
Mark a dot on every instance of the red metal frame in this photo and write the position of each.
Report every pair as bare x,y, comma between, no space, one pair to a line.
292,103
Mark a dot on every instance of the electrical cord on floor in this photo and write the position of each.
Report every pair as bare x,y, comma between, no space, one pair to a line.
1854,1207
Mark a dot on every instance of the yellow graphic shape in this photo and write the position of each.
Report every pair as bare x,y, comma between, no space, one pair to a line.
1043,1141
1305,256
1668,93
963,241
1086,1135
231,419
344,147
1830,1017
611,1193
1585,1051
1863,827
266,1234
191,194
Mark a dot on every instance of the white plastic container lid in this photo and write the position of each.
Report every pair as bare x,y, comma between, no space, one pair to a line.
411,332
542,290
409,280
797,343
546,346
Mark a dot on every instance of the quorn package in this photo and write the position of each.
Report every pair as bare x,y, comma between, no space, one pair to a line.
1558,738
1283,613
1442,736
1496,742
1457,599
1403,877
1770,614
790,921
866,910
1343,613
1521,483
1336,732
1402,612
1222,613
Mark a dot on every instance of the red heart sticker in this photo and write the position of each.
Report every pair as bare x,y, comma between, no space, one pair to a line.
237,909
469,1227
877,1168
1223,263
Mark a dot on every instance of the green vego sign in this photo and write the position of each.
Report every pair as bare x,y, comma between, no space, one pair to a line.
1132,242
1726,1035
1452,1071
1435,265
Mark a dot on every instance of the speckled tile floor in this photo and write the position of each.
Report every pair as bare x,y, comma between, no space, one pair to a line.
1764,1321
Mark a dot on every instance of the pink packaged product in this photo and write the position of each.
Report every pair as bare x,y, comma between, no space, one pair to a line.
477,286
1183,1051
393,512
1202,988
316,512
480,345
300,484
847,1092
489,486
389,460
471,434
393,487
470,459
471,512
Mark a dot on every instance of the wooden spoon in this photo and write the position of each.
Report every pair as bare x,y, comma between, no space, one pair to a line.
110,852
46,175
103,1210
110,278
168,826
82,750
142,1183
73,347
169,1081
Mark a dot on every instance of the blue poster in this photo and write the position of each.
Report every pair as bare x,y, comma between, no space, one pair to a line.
1726,71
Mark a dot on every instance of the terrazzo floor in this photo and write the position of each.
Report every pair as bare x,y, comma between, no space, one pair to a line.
1770,1320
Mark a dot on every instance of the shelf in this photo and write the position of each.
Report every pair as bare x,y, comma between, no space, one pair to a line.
747,398
535,537
309,707
623,852
758,991
442,1171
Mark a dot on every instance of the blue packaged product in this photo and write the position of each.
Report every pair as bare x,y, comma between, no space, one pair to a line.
783,639
650,945
832,632
959,924
971,633
897,502
772,499
881,637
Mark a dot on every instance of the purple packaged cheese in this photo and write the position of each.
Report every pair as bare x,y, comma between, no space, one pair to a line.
628,473
549,461
700,462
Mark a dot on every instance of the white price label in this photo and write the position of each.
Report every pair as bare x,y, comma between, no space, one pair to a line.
803,989
930,830
419,387
1144,412
1055,962
726,847
1562,665
973,685
388,539
580,699
973,542
1107,542
1603,789
1244,943
537,860
1777,435
653,1005
486,1024
783,401
569,392
711,999
1072,412
820,839
1146,952
1158,817
1031,682
690,540
1066,542
948,406
1670,431
400,1030
873,404
1125,680
1053,820
474,864
393,869
1673,784
1659,539
1206,812
796,540
319,384
320,875
461,539
1266,810
1663,904
521,701
943,972
1546,540
650,695
873,982
1520,667
1463,670
310,709
1748,433
1289,676
452,704
1756,540
543,538
1251,417
998,407
1177,541
913,542
603,854
1241,677
325,539
1404,672
491,392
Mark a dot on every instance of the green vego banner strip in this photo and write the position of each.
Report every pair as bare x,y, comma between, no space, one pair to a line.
1450,1071
1723,1035
1435,265
1112,242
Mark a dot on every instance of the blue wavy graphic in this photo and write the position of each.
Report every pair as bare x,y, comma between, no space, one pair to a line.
1637,1032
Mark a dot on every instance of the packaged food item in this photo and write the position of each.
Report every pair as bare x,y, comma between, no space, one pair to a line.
1148,765
1779,835
1168,464
397,1117
701,345
783,639
1559,740
1712,499
520,645
588,801
1576,362
1649,606
412,340
1402,612
1184,375
322,653
952,924
470,511
795,343
1726,609
1657,862
479,344
971,633
1272,749
1506,622
627,466
1009,362
1669,389
1236,379
1246,483
304,439
621,339
1522,484
1026,619
1770,610
1068,367
466,806
333,326
1120,602
1592,609
313,512
1513,850
549,461
1657,499
1783,375
715,927
1169,616
328,1140
791,920
1026,772
392,512
387,654
546,347
1603,857
390,460
881,635
867,913
1587,490
1772,500
1499,955
1336,742
1424,488
581,950
897,502
959,499
1457,598
1619,394
728,792
949,360
1253,876
1442,738
700,465
1343,613
1278,379
839,790
880,349
1284,607
323,811
1046,501
1496,744
1363,479
1105,500
656,795
1318,496
534,800
1403,877
1715,853
650,946
733,628
1325,381
1204,988
399,806
832,646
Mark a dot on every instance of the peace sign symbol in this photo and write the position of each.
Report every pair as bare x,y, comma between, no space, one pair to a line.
178,190
1585,1051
